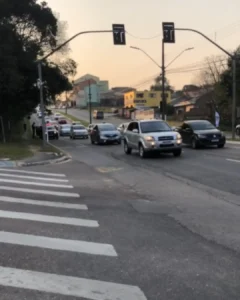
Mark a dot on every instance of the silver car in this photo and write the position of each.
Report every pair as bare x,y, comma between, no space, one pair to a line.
149,136
65,129
78,132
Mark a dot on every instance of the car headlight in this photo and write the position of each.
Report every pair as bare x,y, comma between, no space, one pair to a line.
149,139
179,137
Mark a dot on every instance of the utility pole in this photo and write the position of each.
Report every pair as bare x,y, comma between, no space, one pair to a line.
40,86
234,95
3,130
163,83
90,102
66,107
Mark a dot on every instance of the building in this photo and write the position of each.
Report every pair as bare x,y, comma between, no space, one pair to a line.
114,97
137,99
81,88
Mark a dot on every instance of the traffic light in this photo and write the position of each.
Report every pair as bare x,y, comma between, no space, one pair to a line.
227,84
119,34
168,32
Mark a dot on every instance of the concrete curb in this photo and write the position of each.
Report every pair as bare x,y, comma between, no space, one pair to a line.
64,158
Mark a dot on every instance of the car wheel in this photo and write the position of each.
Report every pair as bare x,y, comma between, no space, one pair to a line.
194,143
238,132
127,149
119,142
220,146
177,153
142,151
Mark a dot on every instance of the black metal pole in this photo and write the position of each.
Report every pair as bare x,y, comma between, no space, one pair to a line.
90,102
163,83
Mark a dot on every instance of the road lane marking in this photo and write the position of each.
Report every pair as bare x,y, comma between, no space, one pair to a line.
233,160
33,177
32,172
44,203
36,183
48,219
68,285
42,192
57,244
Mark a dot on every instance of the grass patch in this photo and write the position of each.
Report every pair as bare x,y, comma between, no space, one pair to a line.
74,119
21,145
15,151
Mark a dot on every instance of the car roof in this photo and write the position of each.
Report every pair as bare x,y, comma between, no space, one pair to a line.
150,120
104,124
196,121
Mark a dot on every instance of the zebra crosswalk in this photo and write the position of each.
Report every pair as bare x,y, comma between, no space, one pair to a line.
41,210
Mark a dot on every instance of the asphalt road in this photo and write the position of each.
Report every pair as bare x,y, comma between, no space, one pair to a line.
47,251
173,222
83,114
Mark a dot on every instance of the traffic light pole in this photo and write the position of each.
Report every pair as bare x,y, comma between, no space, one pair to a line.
234,88
90,102
163,83
233,57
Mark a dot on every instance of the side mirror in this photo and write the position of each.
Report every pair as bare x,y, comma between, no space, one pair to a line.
135,131
174,128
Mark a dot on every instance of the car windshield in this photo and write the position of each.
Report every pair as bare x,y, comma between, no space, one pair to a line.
202,126
79,127
107,127
66,126
154,126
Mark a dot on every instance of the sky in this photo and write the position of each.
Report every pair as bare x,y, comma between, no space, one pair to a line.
122,66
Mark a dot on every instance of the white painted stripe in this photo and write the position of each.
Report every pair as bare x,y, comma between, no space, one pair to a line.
42,192
68,286
33,177
57,244
32,172
233,160
48,219
36,183
43,203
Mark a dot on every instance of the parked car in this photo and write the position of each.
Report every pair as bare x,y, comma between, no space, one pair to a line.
57,116
98,114
148,136
52,132
62,121
199,133
105,133
65,130
78,131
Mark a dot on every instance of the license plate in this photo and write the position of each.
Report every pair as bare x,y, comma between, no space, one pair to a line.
215,141
166,142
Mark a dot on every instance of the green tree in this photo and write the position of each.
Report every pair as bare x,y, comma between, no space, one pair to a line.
157,86
28,30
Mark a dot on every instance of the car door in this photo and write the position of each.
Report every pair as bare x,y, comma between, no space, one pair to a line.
187,134
182,131
94,133
129,134
135,135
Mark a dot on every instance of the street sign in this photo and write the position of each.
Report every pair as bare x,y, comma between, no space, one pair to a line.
168,32
119,34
